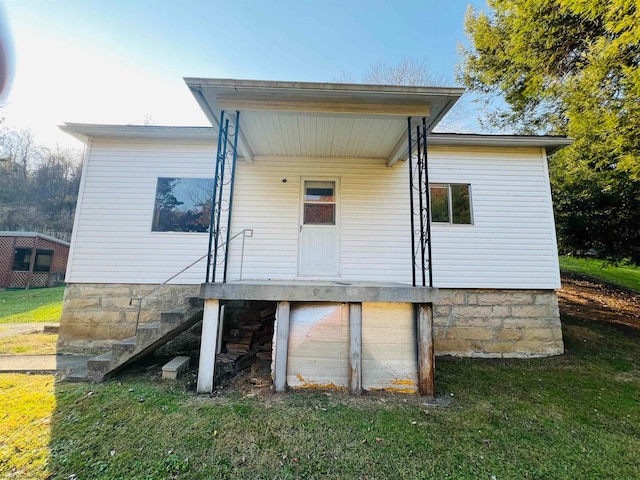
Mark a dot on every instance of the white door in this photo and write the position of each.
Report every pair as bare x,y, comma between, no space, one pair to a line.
319,244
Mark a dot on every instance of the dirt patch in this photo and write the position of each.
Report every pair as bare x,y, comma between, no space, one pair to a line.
586,299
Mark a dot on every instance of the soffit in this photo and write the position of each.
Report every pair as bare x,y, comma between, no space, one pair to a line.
322,119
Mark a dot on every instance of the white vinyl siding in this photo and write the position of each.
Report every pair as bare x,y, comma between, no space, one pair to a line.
510,245
374,222
112,240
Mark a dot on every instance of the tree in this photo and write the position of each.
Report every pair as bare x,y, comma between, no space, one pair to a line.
412,72
570,67
38,186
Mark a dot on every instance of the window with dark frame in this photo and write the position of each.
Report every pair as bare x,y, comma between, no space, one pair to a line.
182,205
451,203
22,259
43,261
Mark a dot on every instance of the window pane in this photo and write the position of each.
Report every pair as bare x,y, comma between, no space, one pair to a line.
319,214
439,204
319,191
460,204
22,259
182,205
43,261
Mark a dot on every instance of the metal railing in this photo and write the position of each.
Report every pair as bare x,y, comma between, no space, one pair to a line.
247,232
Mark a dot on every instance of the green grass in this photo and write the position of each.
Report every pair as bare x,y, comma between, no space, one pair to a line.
625,276
568,417
26,306
29,344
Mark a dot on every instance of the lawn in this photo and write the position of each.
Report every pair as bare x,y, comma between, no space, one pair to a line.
35,305
626,276
29,343
568,417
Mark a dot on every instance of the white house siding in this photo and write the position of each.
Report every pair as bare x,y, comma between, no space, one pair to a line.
512,242
510,245
373,217
112,239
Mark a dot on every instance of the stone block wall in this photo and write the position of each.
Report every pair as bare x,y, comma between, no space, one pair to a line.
497,323
94,316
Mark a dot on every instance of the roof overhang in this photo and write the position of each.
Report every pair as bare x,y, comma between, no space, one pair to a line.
550,143
84,131
322,119
35,234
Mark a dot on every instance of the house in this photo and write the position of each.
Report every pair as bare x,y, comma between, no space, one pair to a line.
31,260
379,242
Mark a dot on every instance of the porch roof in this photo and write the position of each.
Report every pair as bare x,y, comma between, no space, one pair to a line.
322,119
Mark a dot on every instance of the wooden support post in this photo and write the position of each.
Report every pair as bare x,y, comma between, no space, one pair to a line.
208,345
281,347
220,329
426,356
355,348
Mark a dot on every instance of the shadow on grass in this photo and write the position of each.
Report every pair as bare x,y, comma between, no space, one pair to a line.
573,416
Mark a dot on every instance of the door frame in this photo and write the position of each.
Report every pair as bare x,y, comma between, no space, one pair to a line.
337,194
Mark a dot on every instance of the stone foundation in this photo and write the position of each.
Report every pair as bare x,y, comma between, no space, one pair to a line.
497,323
94,316
467,322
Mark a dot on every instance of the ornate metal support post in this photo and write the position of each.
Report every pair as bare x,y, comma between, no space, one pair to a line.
220,224
420,207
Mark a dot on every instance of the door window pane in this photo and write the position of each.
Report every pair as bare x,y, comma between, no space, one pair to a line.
319,214
319,191
319,203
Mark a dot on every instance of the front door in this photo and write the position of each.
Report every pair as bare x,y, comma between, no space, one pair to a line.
319,244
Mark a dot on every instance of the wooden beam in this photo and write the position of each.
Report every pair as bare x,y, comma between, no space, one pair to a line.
400,150
281,347
355,348
318,105
426,356
208,346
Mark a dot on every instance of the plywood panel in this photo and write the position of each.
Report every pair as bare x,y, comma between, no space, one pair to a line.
318,345
389,349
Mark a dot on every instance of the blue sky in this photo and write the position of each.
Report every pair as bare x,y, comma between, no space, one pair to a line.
119,61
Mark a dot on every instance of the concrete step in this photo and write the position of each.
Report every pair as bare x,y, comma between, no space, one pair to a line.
97,367
149,338
123,350
171,320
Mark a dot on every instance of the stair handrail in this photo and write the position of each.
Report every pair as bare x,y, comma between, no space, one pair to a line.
243,232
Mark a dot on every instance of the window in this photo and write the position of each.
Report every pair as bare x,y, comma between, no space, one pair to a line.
182,205
450,203
319,203
22,259
43,261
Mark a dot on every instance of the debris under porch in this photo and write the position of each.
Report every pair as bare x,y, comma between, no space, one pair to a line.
352,335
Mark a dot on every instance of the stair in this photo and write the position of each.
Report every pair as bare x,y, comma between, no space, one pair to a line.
149,338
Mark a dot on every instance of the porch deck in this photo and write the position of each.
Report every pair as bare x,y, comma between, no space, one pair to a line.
318,291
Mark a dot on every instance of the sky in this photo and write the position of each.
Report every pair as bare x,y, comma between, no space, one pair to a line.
121,62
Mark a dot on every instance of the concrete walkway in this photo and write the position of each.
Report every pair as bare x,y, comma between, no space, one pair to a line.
11,329
64,364
60,364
